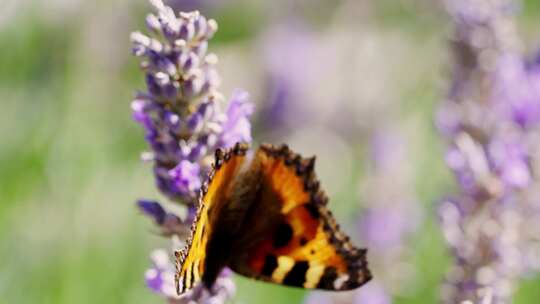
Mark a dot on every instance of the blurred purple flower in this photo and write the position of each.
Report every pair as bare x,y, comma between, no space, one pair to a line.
318,298
290,52
390,213
372,293
180,113
384,227
517,90
390,216
490,121
388,150
510,161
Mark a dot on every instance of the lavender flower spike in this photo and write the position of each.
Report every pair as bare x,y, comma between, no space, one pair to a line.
492,147
181,113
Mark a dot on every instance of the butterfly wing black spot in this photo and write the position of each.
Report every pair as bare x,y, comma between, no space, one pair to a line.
313,210
328,278
283,235
297,275
270,264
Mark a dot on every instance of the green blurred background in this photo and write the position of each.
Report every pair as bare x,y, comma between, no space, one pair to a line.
69,151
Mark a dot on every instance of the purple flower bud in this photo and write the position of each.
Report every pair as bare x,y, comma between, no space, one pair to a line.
153,86
200,49
170,91
139,107
186,177
211,80
195,122
188,61
162,63
211,28
170,24
152,22
237,127
172,121
154,280
166,185
138,50
139,39
160,278
199,151
191,87
200,27
168,222
152,209
186,31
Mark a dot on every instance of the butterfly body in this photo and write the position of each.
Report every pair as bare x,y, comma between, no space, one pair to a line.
265,217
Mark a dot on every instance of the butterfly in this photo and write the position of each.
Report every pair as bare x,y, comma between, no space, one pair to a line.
264,216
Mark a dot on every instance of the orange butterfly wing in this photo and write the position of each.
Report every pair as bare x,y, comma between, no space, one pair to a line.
291,237
191,262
